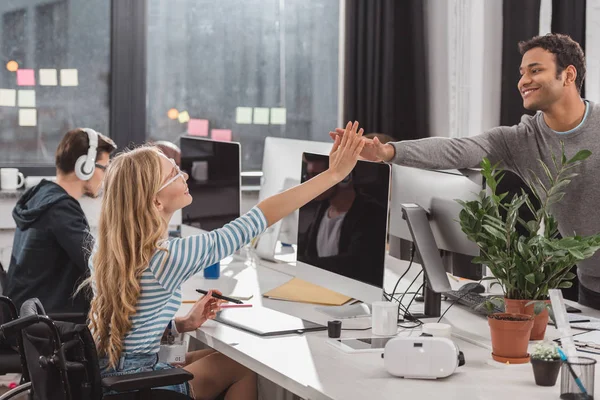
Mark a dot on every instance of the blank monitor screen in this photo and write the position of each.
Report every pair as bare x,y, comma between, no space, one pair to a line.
214,182
436,192
344,229
282,160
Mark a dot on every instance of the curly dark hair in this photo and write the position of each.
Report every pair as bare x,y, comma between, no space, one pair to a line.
566,50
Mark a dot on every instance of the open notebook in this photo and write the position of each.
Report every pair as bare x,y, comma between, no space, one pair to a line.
306,292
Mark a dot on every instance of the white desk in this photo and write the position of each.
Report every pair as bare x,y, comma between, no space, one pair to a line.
311,368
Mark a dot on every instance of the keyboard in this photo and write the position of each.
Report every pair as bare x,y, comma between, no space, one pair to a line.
470,300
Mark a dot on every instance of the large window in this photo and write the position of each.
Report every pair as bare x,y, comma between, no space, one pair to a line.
247,68
54,74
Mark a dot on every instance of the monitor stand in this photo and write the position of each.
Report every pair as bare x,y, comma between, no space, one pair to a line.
432,303
353,310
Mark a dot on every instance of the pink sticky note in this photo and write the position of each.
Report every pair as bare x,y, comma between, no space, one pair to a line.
198,127
25,77
223,135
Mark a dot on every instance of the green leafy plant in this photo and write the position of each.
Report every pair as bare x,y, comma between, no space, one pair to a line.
526,266
545,351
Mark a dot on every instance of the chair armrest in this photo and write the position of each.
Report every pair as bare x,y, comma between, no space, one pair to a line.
77,318
16,392
146,380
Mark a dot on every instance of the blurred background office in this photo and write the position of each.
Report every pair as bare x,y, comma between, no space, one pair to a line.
242,70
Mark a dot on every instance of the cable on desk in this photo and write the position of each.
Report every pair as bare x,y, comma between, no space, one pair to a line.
414,296
412,257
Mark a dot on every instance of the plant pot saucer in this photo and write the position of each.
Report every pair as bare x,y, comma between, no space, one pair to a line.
510,360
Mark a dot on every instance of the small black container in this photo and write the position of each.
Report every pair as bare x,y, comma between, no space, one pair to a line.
545,372
334,329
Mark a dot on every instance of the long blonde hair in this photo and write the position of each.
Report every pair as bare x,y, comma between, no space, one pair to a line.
129,234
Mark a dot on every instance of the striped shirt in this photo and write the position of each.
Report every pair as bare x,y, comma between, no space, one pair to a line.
160,295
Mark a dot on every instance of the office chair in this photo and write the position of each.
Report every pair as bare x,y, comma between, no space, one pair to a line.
63,364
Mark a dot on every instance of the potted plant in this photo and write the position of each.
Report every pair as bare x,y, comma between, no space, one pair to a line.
546,363
526,266
509,332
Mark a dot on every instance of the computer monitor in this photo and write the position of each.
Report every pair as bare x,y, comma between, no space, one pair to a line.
434,192
214,182
282,161
342,232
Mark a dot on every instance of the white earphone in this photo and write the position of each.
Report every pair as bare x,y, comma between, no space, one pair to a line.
86,164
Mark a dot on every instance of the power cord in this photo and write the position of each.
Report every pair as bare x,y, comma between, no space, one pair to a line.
412,257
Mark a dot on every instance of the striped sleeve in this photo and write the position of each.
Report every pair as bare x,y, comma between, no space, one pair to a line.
188,256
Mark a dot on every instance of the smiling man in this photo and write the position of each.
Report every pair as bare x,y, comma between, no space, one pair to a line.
552,73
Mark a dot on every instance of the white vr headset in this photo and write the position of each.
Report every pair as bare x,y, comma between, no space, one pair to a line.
422,357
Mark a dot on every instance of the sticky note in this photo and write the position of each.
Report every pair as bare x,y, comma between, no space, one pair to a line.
25,77
243,115
8,97
183,117
26,98
261,116
69,77
223,135
27,117
48,77
198,127
278,116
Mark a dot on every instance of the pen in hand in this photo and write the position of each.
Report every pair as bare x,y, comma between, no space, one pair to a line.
221,297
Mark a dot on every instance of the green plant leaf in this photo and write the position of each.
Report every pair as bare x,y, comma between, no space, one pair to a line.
530,278
565,285
580,156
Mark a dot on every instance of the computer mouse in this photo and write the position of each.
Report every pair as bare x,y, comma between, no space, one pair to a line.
473,287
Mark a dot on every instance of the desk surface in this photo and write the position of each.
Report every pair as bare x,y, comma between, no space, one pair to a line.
311,368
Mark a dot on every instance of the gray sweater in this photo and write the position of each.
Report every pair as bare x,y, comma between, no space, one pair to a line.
520,147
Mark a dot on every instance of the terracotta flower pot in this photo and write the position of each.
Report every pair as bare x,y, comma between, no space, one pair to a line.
510,336
540,321
545,372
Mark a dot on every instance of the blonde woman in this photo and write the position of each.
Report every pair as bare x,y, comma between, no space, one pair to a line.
136,271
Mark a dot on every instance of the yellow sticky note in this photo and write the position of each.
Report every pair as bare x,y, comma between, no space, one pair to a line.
69,77
26,98
278,116
183,117
243,115
48,77
8,97
27,117
261,116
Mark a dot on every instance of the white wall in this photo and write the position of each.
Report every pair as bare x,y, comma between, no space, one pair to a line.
592,51
464,49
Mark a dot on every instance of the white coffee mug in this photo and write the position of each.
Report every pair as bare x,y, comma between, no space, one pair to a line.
11,179
384,318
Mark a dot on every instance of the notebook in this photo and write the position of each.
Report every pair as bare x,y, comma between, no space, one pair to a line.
306,292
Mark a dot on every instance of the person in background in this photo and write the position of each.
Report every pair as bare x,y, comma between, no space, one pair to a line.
50,247
552,74
137,272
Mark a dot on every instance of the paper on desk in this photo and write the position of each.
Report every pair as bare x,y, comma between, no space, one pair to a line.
591,337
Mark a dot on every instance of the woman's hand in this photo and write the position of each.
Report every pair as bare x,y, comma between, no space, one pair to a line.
204,309
345,151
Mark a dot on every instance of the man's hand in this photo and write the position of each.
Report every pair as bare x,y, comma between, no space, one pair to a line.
204,309
373,149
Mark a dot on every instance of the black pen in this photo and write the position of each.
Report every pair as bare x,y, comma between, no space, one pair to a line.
221,297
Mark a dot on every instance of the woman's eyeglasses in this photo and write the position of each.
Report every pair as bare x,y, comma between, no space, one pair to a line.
179,174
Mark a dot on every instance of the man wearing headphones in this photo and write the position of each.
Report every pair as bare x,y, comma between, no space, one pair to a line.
52,241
